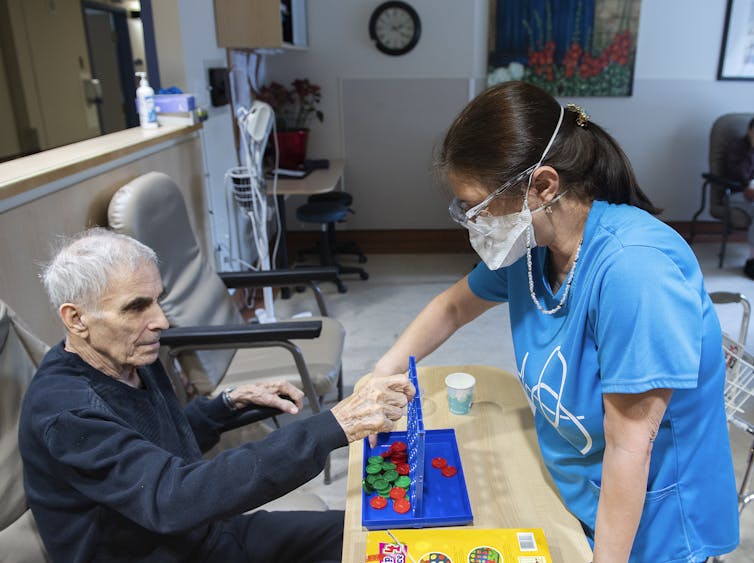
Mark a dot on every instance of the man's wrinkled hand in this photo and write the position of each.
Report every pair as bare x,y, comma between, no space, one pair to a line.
374,406
269,394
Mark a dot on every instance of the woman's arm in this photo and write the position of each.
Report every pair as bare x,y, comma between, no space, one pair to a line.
631,425
445,314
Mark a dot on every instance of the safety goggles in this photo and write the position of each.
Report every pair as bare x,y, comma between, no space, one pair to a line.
466,216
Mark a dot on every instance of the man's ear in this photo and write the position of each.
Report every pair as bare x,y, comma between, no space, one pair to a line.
71,317
546,183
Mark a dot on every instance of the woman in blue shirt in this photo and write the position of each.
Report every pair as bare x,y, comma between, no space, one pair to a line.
617,344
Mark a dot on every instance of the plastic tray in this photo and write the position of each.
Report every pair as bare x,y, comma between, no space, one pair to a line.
445,500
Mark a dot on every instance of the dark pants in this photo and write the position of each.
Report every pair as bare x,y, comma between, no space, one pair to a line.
262,537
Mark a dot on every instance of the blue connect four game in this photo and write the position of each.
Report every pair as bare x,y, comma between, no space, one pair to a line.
414,479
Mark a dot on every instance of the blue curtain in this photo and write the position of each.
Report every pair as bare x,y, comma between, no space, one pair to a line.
562,21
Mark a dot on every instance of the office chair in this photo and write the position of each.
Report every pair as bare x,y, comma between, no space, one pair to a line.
208,342
326,214
20,355
337,247
725,129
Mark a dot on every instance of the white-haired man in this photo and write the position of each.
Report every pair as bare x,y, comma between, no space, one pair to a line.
112,463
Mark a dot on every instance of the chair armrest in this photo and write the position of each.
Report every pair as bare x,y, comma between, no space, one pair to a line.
278,278
724,182
238,335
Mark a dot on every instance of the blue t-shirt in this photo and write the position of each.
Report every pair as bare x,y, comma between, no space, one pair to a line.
638,318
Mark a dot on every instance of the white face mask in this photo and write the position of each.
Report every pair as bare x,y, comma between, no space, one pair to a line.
504,239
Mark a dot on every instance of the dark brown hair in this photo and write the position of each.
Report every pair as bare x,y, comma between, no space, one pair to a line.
504,131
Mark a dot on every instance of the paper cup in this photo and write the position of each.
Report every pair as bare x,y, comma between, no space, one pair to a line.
460,388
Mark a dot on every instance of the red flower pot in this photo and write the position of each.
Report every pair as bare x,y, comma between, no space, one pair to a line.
292,148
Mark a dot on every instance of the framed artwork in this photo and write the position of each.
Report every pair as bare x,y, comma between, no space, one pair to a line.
737,51
567,47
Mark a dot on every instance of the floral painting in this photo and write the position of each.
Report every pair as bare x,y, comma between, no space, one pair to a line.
567,47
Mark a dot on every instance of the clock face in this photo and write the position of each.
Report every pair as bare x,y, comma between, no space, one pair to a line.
395,27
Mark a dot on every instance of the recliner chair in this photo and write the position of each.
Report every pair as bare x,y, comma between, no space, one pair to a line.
725,129
208,340
20,355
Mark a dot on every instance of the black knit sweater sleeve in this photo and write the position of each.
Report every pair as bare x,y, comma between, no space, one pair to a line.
117,467
88,440
208,419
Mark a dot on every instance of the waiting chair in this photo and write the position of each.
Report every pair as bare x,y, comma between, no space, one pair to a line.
20,355
208,342
725,129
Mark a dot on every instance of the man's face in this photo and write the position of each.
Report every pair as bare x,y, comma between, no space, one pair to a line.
124,331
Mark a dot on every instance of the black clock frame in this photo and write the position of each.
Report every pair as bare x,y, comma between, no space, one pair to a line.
378,11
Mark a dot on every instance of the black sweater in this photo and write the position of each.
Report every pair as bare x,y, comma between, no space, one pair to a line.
115,473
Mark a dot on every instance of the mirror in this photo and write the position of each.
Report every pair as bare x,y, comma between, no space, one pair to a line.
67,71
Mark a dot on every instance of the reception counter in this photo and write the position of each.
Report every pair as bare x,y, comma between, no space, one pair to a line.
65,190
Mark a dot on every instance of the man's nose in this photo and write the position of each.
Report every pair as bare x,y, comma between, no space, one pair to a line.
160,322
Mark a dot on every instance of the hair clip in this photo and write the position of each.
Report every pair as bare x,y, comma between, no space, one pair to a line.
582,117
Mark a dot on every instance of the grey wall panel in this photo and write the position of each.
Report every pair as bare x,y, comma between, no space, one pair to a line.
391,127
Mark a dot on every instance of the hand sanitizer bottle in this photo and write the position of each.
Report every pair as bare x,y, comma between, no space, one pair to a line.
145,95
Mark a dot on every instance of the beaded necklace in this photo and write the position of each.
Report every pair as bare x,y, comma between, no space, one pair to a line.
569,280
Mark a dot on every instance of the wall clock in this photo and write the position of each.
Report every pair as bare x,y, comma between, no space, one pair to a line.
395,28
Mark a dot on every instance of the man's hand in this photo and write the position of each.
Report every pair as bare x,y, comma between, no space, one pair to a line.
376,403
268,394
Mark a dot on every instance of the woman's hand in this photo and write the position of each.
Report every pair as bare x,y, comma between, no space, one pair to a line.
269,394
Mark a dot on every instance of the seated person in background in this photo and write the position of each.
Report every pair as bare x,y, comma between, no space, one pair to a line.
113,464
739,166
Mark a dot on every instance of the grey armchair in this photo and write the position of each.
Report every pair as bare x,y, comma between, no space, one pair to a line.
725,129
151,209
208,342
20,354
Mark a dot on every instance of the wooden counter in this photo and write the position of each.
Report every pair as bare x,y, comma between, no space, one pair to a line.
30,172
66,190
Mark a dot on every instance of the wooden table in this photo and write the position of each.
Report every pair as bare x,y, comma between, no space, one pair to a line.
508,484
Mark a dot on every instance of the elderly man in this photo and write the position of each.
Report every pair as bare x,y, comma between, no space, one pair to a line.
112,462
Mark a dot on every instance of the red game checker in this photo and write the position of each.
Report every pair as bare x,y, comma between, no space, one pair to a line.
448,471
378,502
439,462
397,492
402,505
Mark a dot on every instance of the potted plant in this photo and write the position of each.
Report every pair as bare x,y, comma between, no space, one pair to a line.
295,107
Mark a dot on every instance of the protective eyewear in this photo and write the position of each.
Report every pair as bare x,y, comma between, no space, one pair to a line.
465,216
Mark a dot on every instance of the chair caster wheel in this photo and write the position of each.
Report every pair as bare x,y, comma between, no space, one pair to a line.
362,259
341,287
364,275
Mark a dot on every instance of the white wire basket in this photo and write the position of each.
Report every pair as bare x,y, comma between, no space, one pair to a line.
739,383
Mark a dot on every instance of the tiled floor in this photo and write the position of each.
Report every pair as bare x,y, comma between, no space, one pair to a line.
374,313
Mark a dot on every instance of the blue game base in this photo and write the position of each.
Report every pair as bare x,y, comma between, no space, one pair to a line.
445,500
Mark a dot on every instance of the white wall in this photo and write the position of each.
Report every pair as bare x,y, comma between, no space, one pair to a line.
663,127
408,99
186,49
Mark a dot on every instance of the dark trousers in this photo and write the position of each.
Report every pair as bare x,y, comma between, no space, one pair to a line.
265,537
